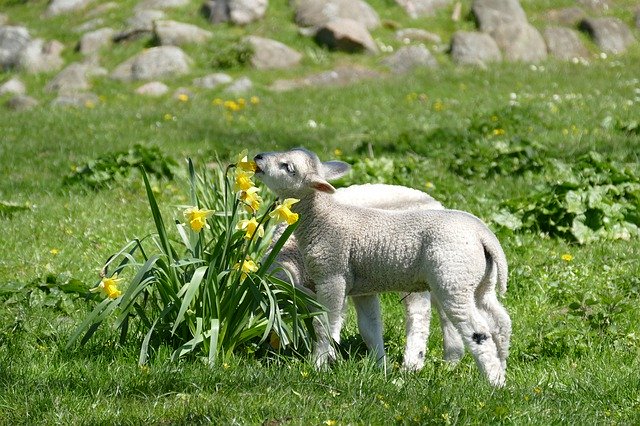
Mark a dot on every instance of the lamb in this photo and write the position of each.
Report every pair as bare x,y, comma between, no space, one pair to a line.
290,265
360,251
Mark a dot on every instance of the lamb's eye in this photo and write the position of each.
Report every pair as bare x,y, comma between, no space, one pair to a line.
287,167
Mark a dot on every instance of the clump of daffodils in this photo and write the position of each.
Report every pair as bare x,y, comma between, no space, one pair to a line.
197,218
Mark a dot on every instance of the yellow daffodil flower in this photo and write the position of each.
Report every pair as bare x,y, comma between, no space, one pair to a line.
242,181
109,286
283,212
246,267
567,257
197,218
255,100
183,97
251,198
232,106
250,226
244,164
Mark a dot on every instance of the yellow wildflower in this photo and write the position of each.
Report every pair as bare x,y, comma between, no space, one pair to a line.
337,152
567,257
247,266
109,286
243,163
254,100
251,198
438,106
167,117
283,212
232,106
250,226
54,251
330,422
241,102
498,132
183,97
89,104
197,218
217,101
242,180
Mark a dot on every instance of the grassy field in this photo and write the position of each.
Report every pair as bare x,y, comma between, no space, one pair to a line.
453,132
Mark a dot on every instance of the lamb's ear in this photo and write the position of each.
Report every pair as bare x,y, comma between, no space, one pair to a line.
322,185
334,169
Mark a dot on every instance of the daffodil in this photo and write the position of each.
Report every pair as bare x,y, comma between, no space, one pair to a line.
283,212
255,100
109,286
242,181
251,199
183,97
250,226
246,267
197,218
244,164
567,257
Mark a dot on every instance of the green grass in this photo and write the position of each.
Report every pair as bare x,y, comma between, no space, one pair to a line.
572,361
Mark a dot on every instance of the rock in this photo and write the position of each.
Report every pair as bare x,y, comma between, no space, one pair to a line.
346,35
243,12
520,42
416,34
212,81
59,7
12,41
172,33
139,25
474,48
419,8
569,16
74,78
153,88
342,76
76,100
161,4
493,14
610,34
314,13
240,86
564,43
410,58
93,41
40,56
156,62
21,103
268,54
216,11
13,86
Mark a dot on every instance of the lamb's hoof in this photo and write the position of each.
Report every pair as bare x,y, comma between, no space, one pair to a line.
498,380
413,365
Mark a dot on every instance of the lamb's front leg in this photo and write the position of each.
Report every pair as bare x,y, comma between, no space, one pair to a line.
417,317
330,293
370,325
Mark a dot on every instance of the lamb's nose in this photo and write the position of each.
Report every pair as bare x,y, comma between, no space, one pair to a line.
258,157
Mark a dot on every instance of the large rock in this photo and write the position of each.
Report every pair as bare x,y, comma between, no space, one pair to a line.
139,25
212,81
346,35
520,42
91,42
474,48
157,62
610,34
269,53
493,14
243,12
564,43
41,56
569,16
314,13
59,7
12,41
172,33
21,103
241,86
410,58
161,4
14,86
216,11
74,78
418,8
342,76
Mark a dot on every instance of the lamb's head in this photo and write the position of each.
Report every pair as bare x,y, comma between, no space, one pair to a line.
297,172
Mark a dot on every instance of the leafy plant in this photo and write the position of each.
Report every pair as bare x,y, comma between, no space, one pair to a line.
107,169
203,293
594,199
233,54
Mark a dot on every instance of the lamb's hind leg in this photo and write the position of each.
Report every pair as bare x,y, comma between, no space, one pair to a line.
476,334
451,339
370,325
417,318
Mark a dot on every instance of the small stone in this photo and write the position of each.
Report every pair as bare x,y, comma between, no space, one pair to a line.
409,58
21,103
346,35
13,86
153,88
212,81
241,86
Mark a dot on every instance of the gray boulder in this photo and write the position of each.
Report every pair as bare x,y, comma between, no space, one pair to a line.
212,81
59,7
172,33
139,25
419,8
610,34
520,42
216,11
240,87
564,43
243,12
338,77
410,58
91,42
161,4
269,54
569,16
417,34
21,103
346,35
12,41
314,13
474,48
13,86
41,56
156,62
74,78
494,14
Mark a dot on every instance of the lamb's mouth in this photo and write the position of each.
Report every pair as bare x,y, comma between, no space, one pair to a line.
257,170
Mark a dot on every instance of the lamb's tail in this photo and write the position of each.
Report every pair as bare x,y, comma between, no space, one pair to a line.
494,254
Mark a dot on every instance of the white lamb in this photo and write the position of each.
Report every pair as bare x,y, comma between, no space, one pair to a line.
417,305
359,251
